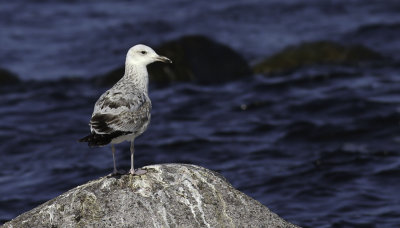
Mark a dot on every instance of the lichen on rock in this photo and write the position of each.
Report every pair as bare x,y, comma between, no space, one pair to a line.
168,195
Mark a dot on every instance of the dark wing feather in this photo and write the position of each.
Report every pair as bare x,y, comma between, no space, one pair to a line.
117,113
101,139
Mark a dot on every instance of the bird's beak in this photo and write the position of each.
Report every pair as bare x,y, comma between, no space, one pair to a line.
163,59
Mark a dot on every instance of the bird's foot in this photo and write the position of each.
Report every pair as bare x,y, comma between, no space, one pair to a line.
118,172
137,172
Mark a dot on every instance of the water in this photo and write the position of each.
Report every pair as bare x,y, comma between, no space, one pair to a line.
319,146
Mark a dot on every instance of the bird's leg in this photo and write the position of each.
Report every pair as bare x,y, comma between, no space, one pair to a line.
132,171
115,166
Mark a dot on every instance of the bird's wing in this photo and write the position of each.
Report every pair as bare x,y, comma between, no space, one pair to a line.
117,111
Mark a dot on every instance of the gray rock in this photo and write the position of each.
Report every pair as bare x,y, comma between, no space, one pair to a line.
169,195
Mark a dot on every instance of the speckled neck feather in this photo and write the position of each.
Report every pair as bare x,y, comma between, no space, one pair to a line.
137,75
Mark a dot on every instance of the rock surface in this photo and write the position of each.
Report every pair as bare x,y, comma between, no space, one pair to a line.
195,58
314,53
169,195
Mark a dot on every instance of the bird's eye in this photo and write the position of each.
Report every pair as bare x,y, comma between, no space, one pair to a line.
143,52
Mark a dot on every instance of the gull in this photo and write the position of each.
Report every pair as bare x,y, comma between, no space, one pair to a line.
123,112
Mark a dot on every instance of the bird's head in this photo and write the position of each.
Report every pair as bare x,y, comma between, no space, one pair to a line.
143,55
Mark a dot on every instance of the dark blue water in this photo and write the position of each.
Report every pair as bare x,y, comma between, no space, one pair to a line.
319,146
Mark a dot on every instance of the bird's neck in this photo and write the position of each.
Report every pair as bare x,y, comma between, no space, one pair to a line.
137,75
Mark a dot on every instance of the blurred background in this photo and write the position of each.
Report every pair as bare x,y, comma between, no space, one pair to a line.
295,102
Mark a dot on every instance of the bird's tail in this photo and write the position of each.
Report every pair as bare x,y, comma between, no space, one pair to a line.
96,140
86,138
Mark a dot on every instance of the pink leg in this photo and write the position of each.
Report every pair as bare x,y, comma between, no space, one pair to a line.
132,171
113,153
